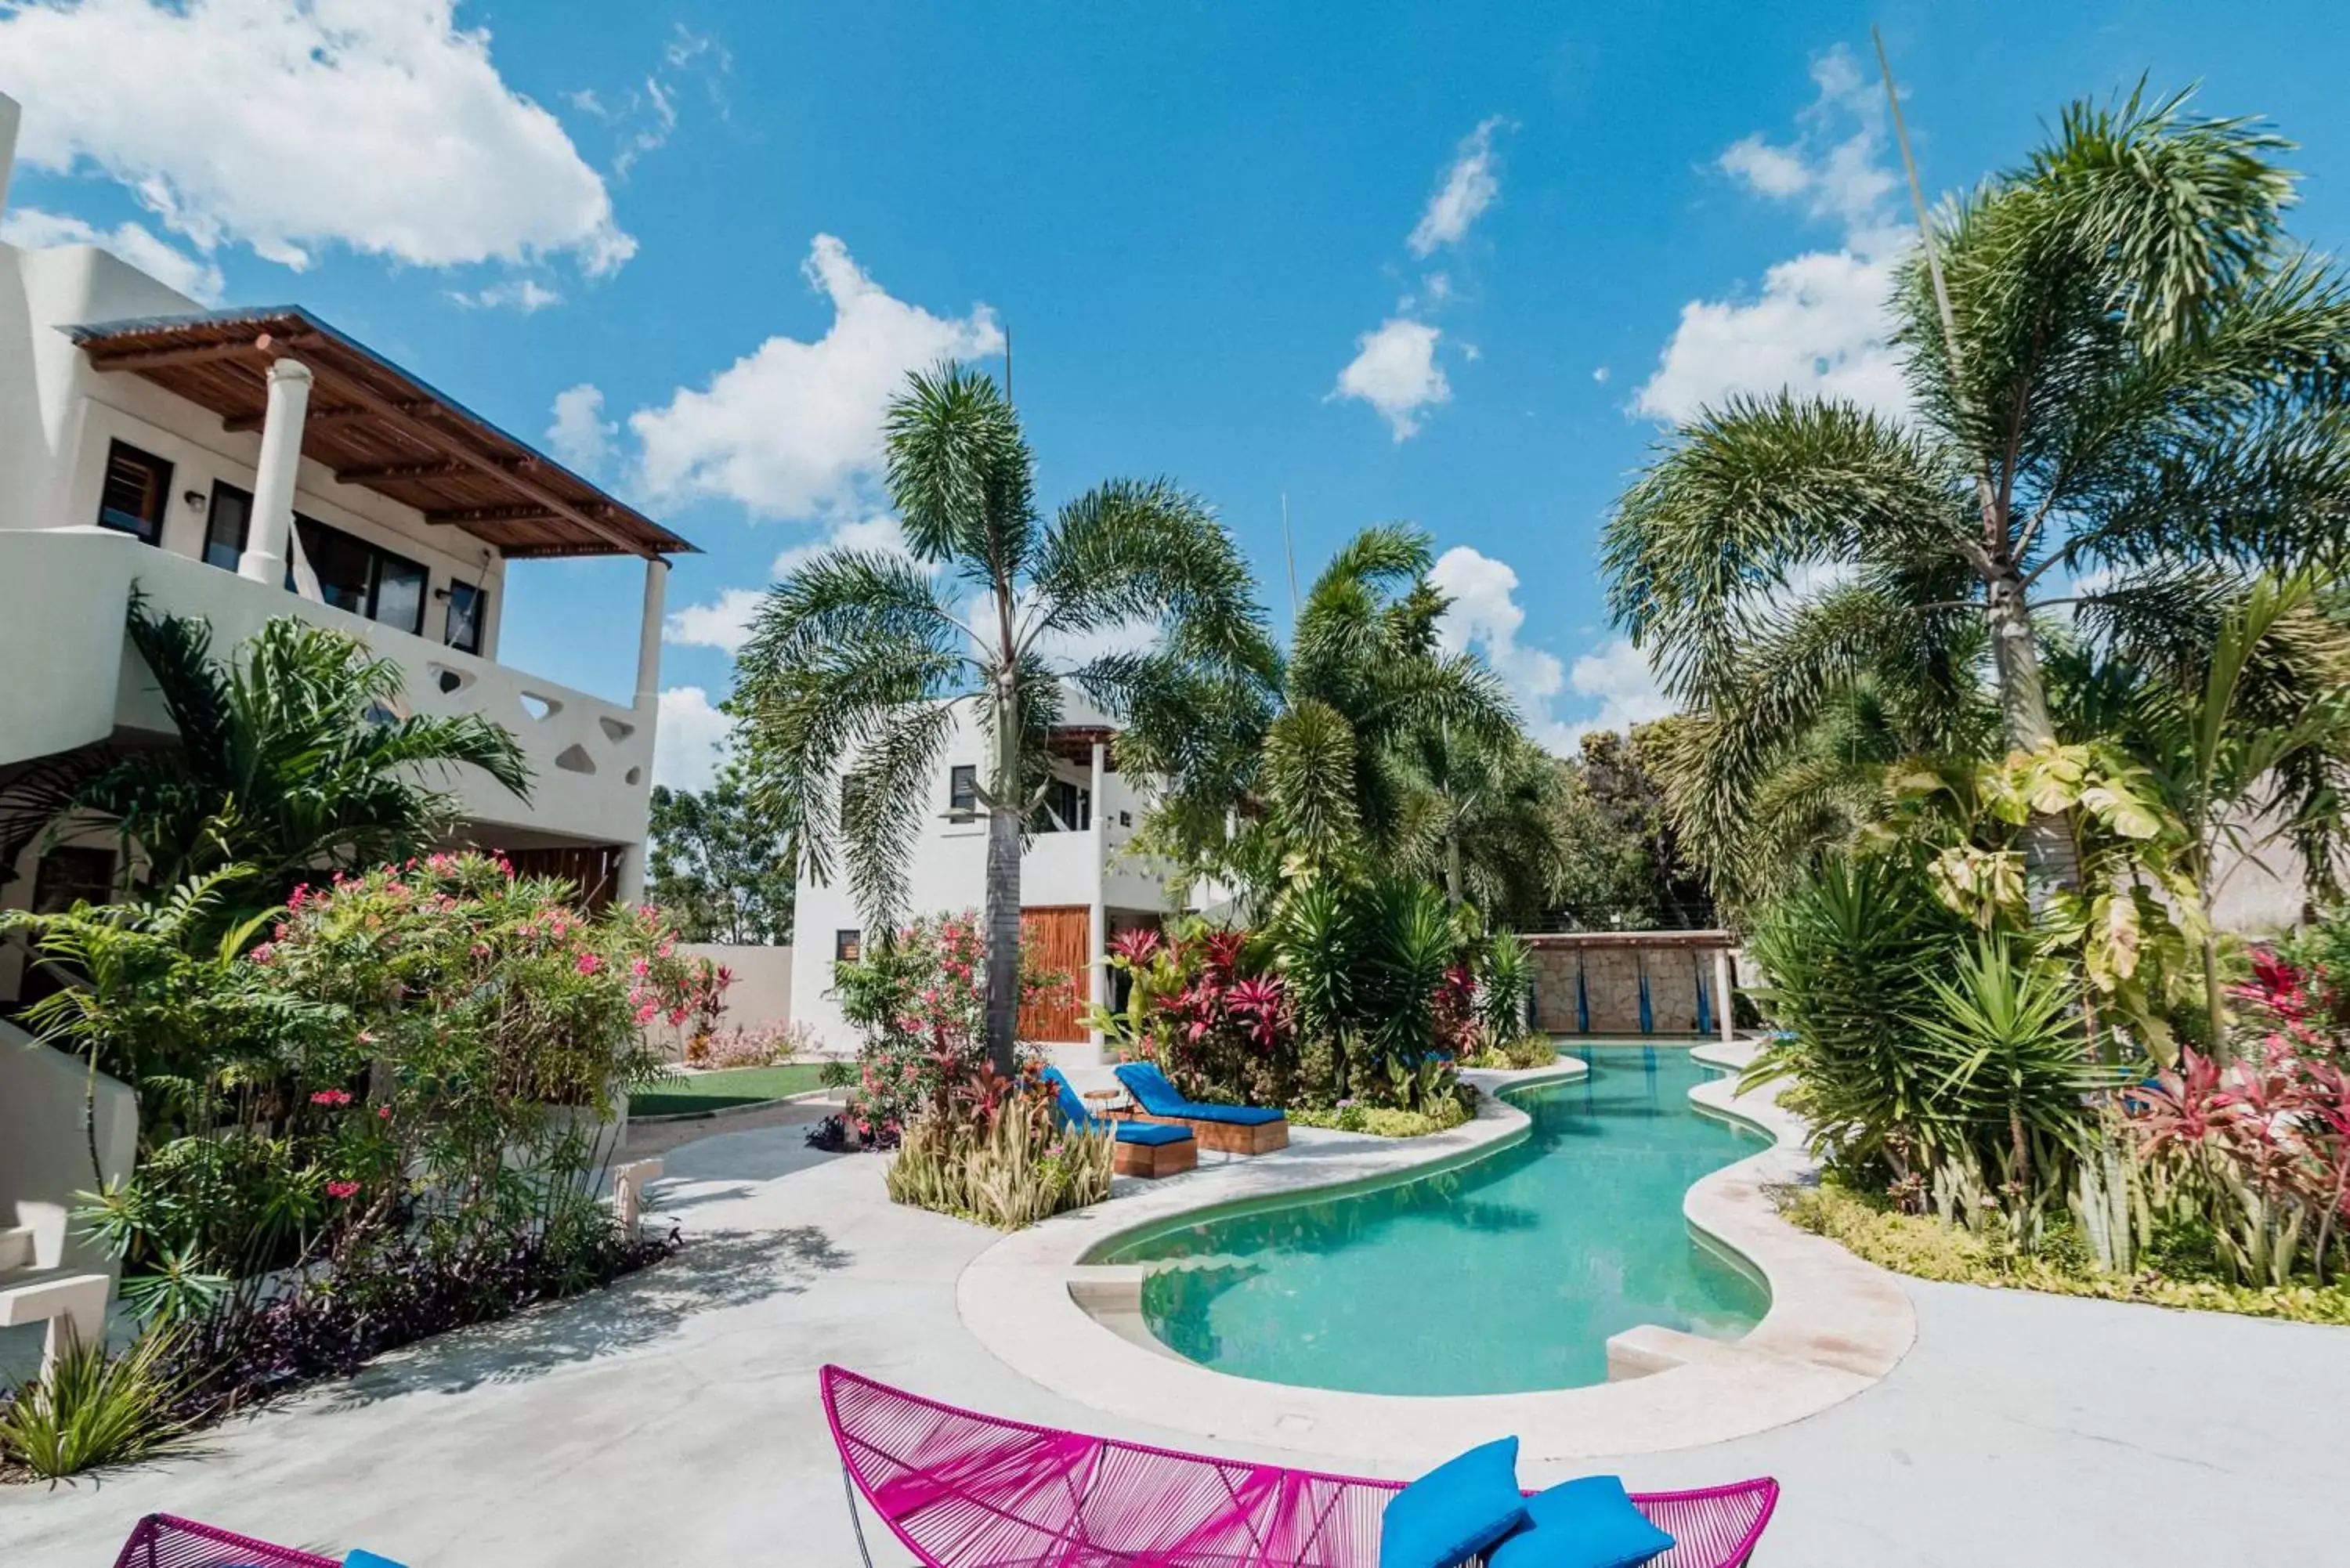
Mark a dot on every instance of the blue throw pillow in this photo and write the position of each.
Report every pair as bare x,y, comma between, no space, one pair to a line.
1455,1510
368,1559
1585,1523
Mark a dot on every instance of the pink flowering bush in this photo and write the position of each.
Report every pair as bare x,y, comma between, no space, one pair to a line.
918,998
751,1045
995,1150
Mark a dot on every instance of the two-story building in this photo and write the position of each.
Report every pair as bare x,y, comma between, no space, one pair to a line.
1081,884
243,464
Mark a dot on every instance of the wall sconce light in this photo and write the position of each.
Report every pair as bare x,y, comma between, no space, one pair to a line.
194,498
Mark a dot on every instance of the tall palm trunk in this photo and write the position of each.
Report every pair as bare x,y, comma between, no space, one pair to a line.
1455,879
1005,810
2048,849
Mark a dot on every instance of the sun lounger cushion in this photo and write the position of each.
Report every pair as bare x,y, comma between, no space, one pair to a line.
1585,1523
368,1559
1455,1510
1159,1097
1150,1133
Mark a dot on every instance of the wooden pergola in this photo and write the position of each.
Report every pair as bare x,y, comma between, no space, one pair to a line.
380,428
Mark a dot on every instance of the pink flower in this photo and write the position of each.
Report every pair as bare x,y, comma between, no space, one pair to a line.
263,953
336,1097
640,965
589,963
342,1189
383,1113
648,1012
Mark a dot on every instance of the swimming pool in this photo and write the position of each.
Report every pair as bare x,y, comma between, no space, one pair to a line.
1502,1275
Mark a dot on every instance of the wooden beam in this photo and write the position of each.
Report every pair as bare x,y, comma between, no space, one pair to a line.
369,473
450,445
144,359
462,515
250,422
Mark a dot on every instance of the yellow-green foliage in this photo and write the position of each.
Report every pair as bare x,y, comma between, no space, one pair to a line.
1380,1122
1925,1246
95,1409
1008,1170
1518,1056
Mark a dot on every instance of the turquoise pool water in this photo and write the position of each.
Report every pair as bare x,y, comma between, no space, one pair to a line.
1502,1275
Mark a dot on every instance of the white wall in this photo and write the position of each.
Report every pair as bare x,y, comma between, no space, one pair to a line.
45,1152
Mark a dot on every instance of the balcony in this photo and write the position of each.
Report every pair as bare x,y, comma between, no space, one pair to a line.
71,679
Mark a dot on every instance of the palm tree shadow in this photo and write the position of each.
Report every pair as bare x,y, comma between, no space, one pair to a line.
723,1270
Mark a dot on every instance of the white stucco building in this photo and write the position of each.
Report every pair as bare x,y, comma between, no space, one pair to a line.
1080,884
244,465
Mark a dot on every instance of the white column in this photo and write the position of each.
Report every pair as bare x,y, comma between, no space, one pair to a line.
263,560
1723,1010
1097,919
9,114
649,636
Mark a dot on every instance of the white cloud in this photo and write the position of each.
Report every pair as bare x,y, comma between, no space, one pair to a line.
1485,615
527,295
724,622
1467,187
580,436
1395,370
689,739
645,116
1600,375
793,428
1820,325
296,125
1616,675
33,229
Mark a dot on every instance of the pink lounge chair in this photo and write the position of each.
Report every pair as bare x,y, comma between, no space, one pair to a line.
162,1541
966,1490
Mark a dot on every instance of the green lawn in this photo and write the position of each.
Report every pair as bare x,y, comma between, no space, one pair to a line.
716,1091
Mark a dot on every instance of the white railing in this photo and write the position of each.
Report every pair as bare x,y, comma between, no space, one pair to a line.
71,679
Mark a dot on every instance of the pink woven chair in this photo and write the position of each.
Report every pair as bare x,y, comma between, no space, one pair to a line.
966,1490
162,1541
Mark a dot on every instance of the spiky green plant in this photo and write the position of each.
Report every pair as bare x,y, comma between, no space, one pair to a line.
96,1408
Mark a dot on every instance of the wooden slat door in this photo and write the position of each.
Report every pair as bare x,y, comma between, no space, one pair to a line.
1059,938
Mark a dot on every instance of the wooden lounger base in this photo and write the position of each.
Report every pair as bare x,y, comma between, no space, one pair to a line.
1228,1137
1155,1159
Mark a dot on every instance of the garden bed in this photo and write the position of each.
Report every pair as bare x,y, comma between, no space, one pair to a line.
1926,1248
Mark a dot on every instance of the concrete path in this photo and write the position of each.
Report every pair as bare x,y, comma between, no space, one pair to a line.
673,1420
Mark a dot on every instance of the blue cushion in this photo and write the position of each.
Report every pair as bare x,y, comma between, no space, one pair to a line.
1155,1095
1455,1510
368,1559
1151,1133
1585,1523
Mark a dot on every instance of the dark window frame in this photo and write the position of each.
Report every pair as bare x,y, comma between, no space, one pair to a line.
48,898
479,597
212,513
377,555
962,789
150,529
847,944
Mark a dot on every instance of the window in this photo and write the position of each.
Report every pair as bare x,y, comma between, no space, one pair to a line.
467,609
362,578
1065,808
847,946
228,524
71,872
137,488
963,788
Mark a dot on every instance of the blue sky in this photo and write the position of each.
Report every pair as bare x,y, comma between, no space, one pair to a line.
1452,264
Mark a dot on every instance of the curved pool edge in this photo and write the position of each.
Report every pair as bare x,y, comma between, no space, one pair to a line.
1835,1325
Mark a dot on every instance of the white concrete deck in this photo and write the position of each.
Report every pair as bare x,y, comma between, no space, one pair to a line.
674,1419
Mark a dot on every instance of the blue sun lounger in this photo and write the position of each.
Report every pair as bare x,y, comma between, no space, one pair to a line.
1228,1130
1143,1148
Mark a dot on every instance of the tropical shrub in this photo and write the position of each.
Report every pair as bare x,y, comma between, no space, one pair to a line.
918,998
97,1407
994,1149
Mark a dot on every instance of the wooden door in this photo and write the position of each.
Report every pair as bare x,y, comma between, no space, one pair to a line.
1059,941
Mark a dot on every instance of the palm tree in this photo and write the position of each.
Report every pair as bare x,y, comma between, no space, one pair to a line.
1313,766
2117,365
869,660
292,759
1484,814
